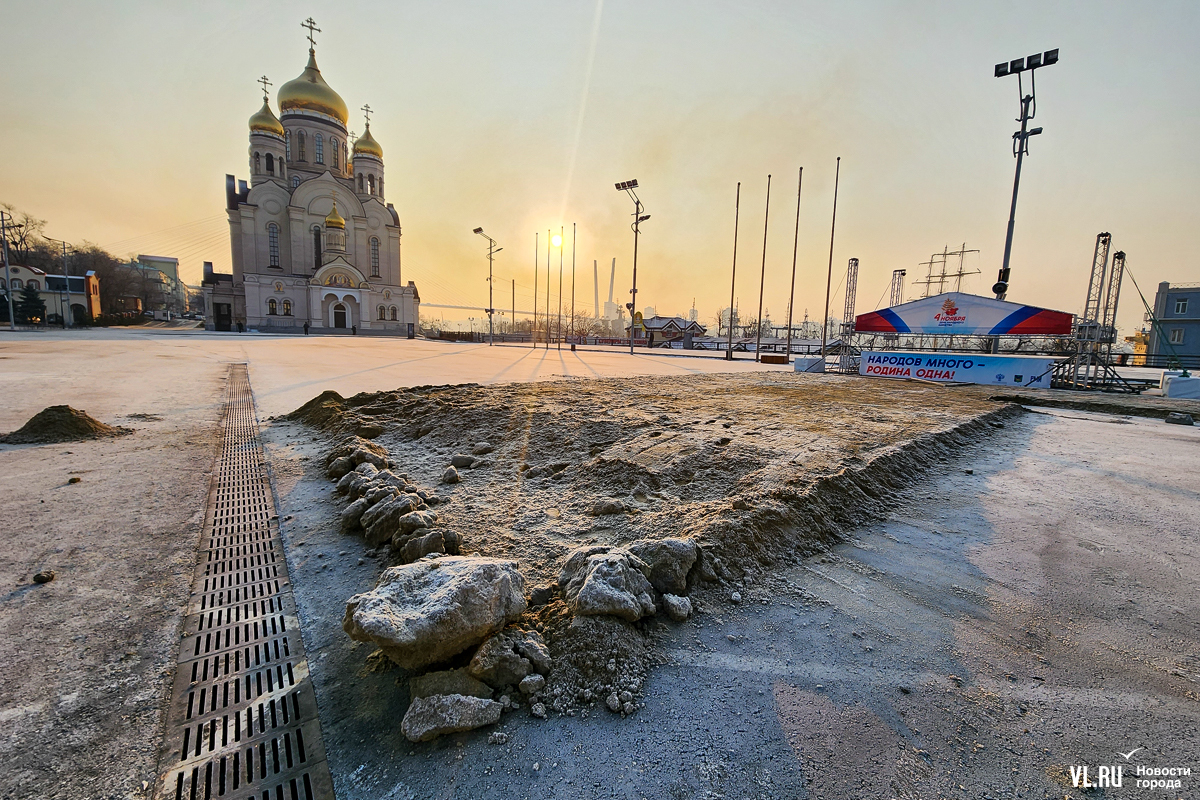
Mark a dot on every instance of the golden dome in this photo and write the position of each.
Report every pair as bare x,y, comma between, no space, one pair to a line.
366,145
265,121
310,92
334,220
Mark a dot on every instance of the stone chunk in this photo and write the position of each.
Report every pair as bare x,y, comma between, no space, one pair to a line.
417,547
678,608
460,460
414,520
608,506
451,475
429,717
352,514
532,684
1177,418
426,612
482,449
451,681
340,466
380,520
670,560
609,581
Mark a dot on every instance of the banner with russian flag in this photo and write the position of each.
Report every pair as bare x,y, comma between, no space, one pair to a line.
959,314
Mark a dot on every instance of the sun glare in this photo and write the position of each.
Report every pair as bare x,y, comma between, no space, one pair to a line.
556,240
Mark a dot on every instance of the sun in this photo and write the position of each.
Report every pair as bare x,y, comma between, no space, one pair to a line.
556,240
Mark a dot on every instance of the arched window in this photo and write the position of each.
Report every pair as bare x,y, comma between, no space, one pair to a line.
316,246
3,284
374,256
381,186
345,154
16,284
273,243
371,183
295,181
393,313
381,313
272,309
333,146
360,183
270,164
287,144
300,142
319,149
257,163
34,285
287,308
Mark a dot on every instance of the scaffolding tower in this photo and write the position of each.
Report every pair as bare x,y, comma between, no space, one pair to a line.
1096,331
897,291
847,354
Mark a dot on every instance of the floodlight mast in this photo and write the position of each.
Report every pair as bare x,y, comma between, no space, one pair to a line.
492,250
638,219
1020,146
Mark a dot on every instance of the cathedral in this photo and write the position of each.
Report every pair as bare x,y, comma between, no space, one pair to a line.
314,241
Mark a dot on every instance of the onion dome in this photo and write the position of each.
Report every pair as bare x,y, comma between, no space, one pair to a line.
310,92
265,121
367,146
334,220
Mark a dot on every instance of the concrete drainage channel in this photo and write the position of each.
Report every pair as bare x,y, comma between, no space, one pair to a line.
243,717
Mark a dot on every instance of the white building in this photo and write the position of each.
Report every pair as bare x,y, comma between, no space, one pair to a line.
313,239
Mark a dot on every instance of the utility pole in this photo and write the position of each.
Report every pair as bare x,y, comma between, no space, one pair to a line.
795,247
762,278
533,324
737,206
561,230
514,305
829,274
547,314
573,229
12,319
638,219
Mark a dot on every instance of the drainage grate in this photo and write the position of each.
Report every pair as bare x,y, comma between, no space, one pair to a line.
243,718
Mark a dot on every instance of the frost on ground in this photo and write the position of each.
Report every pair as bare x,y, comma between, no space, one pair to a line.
569,516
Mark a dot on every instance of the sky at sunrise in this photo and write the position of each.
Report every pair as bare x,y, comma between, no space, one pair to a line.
122,119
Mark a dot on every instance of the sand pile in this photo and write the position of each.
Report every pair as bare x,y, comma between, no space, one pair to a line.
750,472
62,424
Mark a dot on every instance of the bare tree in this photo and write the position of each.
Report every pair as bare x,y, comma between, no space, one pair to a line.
24,231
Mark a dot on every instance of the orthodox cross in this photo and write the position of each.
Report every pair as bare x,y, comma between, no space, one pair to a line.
265,83
366,109
312,27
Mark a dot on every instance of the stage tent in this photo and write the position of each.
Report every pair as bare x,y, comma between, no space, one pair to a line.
959,314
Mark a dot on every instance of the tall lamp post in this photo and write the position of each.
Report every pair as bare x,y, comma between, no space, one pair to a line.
638,219
492,250
1020,144
66,285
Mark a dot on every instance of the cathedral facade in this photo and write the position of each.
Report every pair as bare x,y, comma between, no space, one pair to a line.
314,240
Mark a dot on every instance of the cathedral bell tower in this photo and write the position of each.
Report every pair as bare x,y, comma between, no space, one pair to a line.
335,235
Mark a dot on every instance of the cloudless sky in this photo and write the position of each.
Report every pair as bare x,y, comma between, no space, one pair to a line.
121,120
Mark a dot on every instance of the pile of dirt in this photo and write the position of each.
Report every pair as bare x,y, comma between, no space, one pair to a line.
62,424
760,470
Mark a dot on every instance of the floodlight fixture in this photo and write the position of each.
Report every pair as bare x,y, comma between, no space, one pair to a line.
477,230
490,310
627,185
643,217
1020,147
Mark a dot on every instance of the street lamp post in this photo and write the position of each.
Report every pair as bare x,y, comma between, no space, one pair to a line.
12,319
638,219
1020,143
66,287
492,250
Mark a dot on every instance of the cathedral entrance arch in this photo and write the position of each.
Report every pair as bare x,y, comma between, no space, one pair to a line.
340,316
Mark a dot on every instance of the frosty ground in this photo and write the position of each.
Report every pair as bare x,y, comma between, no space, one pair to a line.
992,630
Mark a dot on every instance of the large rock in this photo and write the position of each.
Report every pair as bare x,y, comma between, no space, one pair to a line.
352,514
669,560
424,613
606,581
415,520
450,681
380,520
430,717
678,608
508,657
